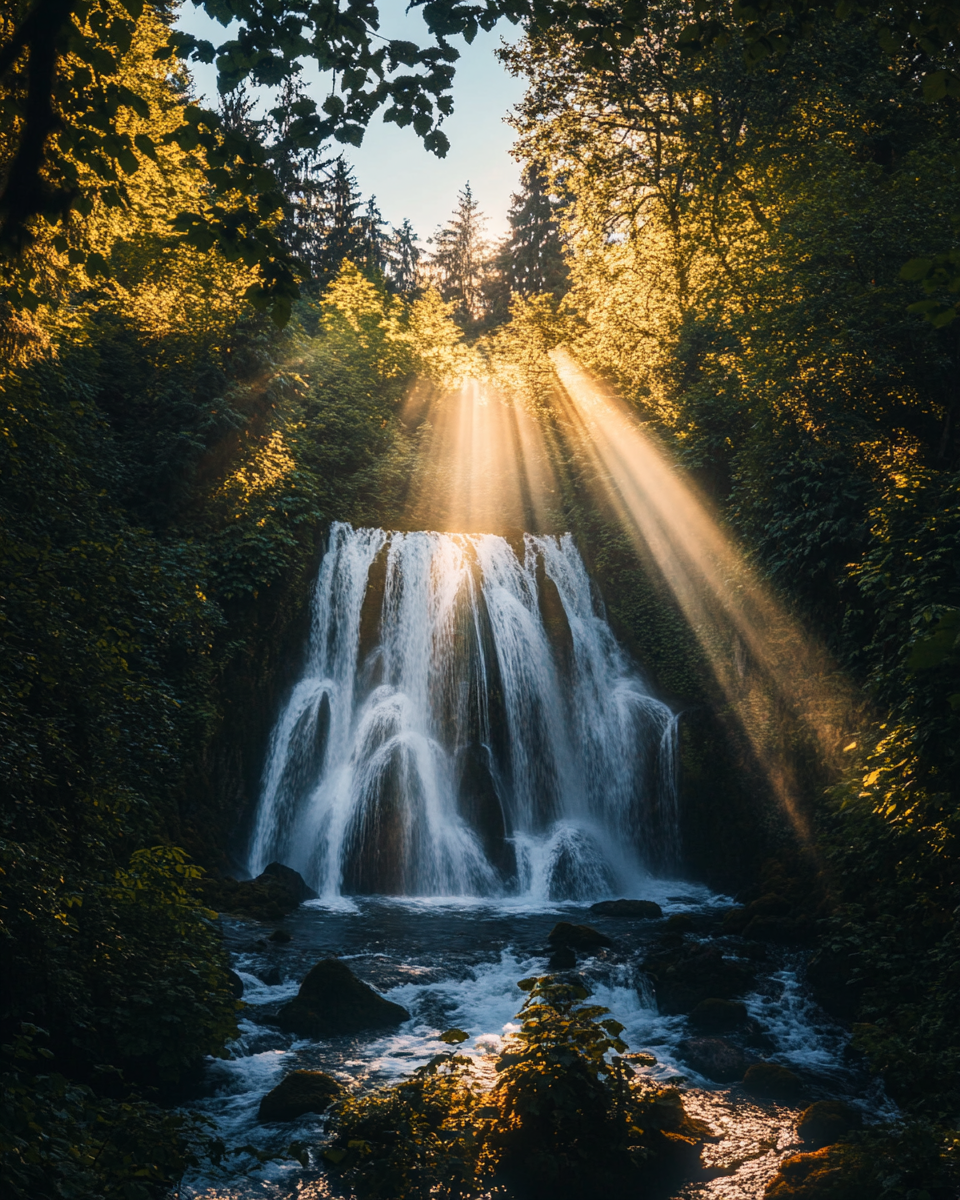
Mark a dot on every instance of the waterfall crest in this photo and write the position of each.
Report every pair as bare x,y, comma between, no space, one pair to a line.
490,737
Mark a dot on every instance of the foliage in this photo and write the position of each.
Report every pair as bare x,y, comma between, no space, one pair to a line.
564,1114
59,1140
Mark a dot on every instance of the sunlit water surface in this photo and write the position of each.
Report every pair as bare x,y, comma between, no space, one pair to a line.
456,963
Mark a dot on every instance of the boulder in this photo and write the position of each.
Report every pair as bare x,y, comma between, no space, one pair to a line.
298,1093
236,985
333,1001
278,890
715,1015
282,937
562,959
833,1173
679,923
715,1058
772,1082
829,974
645,910
577,937
684,975
825,1122
271,977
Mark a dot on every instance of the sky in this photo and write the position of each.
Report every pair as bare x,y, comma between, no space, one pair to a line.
392,164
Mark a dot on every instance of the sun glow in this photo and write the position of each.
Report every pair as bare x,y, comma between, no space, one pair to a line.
774,677
485,464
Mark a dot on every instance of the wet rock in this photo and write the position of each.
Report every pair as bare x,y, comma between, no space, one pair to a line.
281,937
772,1082
577,937
785,930
333,1001
271,977
833,1173
680,923
825,1122
236,985
829,974
269,897
715,1057
646,910
299,1092
684,975
771,918
562,959
715,1015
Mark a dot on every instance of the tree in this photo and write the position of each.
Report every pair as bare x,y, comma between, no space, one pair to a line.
344,234
459,263
403,259
532,257
374,239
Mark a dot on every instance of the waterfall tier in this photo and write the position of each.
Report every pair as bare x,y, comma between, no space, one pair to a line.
466,724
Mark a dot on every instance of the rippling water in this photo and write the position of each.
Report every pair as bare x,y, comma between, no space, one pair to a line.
456,963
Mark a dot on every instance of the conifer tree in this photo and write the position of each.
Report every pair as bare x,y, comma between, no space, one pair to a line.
403,259
459,263
532,258
344,236
374,239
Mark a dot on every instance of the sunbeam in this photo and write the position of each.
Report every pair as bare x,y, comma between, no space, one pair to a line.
772,674
485,466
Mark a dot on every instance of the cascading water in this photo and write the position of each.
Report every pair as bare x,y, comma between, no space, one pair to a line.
492,739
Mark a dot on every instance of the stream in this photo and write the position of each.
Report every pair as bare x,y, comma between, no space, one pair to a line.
456,963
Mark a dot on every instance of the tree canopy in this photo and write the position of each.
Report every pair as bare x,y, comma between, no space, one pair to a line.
74,130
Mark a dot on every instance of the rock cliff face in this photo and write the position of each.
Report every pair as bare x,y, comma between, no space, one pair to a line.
332,1001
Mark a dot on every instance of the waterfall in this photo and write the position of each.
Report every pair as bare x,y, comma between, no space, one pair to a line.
472,729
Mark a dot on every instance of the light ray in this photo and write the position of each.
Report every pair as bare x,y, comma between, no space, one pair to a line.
774,676
485,466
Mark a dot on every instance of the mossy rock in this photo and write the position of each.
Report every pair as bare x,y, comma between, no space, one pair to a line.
680,923
644,910
332,1001
684,976
277,891
577,937
715,1058
715,1015
772,1082
826,1121
298,1093
833,1173
829,973
562,959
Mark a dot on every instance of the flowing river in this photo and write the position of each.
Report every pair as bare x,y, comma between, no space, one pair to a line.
468,758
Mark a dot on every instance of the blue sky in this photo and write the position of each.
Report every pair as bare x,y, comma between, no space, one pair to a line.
392,164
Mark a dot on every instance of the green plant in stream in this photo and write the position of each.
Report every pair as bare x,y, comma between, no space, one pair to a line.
416,1140
566,1114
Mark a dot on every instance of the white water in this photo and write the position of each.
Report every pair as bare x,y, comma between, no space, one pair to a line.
476,747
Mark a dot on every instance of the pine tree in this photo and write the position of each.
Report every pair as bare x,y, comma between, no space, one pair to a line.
344,237
459,264
532,258
403,259
375,241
